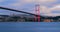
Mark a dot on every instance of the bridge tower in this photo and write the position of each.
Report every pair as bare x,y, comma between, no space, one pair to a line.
37,12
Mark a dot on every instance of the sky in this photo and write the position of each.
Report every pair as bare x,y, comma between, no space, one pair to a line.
47,7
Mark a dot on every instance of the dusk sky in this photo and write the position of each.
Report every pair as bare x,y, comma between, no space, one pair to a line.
47,7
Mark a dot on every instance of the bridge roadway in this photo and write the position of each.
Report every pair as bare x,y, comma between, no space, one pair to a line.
17,11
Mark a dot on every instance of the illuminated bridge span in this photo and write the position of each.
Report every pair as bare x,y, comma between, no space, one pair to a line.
17,11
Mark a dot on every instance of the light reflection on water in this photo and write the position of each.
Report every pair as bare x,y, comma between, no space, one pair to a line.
29,26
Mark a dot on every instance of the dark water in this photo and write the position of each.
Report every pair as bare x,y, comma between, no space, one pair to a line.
29,27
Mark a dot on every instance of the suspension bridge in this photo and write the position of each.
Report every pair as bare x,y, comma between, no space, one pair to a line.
36,11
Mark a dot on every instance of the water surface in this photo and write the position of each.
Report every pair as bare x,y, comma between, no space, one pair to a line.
29,27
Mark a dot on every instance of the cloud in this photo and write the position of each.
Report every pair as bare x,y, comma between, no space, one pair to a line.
47,11
51,14
44,9
2,0
55,7
16,4
22,2
44,1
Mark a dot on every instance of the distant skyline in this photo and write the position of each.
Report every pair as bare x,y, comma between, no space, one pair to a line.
47,7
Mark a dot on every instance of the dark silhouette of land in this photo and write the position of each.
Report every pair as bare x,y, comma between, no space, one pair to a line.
27,18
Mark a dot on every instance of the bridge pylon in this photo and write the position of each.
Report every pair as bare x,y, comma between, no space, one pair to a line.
37,12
